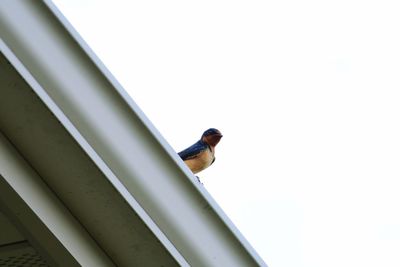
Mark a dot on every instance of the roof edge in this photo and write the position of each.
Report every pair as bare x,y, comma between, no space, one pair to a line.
117,131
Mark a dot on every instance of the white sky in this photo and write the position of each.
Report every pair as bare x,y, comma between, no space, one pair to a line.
307,96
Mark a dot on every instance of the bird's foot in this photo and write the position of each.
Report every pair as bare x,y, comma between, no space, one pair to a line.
198,179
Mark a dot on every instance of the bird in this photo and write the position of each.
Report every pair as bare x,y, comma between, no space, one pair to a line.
201,154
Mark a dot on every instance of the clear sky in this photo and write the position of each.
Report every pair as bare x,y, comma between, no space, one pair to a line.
307,95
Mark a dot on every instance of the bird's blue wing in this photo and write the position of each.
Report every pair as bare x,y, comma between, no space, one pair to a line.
193,151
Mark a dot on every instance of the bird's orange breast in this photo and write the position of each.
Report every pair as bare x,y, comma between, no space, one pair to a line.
201,161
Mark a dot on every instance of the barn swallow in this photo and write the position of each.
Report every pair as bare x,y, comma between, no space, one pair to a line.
201,154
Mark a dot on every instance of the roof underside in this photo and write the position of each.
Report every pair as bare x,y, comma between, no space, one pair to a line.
55,157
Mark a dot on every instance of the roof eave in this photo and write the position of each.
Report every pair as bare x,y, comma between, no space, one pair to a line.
116,135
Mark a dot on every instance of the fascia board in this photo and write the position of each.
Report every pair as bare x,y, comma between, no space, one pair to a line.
123,138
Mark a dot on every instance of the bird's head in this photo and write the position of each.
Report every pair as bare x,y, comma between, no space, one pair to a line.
211,136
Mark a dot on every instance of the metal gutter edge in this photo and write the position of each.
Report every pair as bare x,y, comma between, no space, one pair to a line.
103,117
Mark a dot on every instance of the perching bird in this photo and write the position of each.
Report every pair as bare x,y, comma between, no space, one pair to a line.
201,154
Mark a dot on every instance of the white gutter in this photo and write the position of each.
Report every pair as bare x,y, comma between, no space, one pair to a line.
120,136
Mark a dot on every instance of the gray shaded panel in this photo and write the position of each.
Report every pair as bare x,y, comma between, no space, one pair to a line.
8,232
72,175
20,217
21,255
